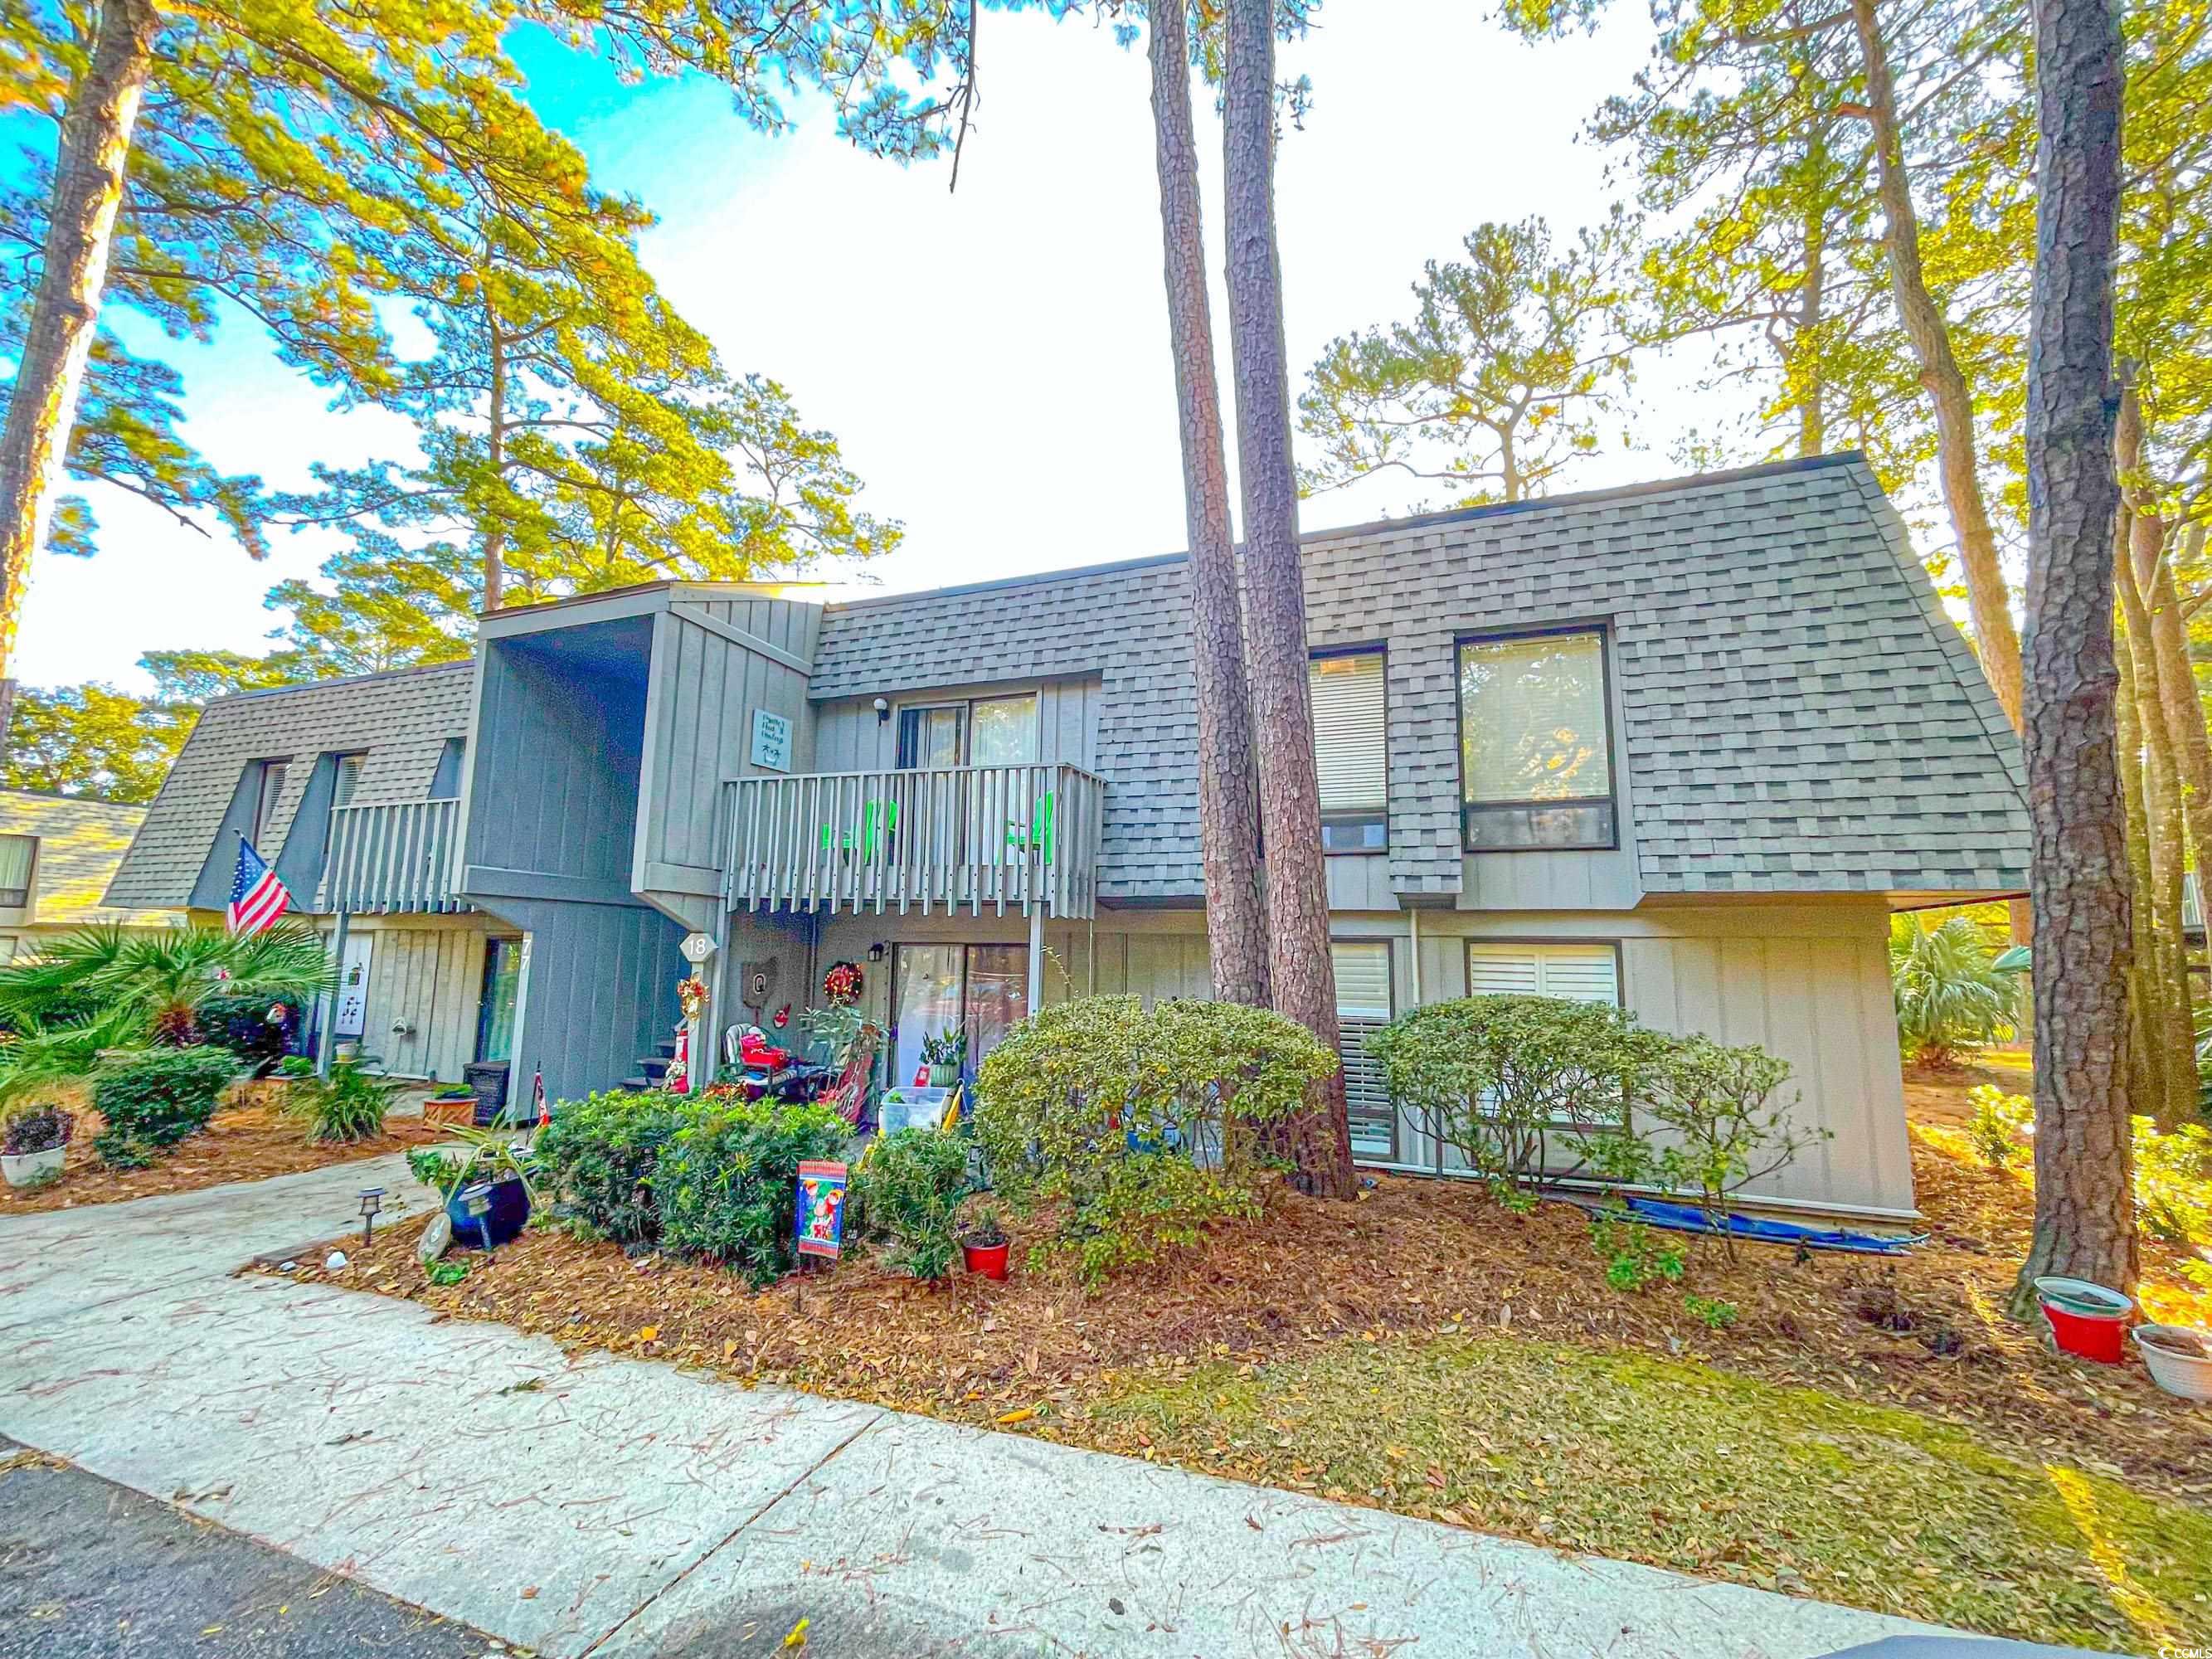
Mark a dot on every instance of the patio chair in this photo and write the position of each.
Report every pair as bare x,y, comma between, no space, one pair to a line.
1035,836
879,823
848,1095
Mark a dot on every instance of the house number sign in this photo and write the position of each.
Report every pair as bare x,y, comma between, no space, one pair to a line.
771,741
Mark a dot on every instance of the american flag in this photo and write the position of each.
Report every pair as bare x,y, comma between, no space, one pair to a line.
256,898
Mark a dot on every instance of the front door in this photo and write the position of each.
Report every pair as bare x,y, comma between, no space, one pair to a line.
981,989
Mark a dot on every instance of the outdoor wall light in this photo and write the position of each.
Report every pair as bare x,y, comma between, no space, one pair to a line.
372,1200
883,710
876,952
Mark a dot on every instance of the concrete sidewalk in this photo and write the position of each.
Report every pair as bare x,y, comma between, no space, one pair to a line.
613,1507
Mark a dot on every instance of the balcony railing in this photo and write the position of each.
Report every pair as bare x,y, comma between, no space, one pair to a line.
984,837
394,860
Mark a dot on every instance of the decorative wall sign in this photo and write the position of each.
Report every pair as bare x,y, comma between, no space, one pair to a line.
771,749
821,1226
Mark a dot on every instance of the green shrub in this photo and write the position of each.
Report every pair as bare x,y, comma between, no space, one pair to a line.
1508,1081
908,1188
242,1025
351,1104
1633,1261
602,1153
1997,1126
726,1183
1953,990
1709,1122
155,1098
1145,1125
2173,1191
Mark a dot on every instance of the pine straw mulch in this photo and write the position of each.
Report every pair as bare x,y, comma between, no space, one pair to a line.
1413,1259
244,1143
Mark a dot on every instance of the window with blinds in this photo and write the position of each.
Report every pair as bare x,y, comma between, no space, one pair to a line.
1362,1008
273,773
18,855
1575,973
1535,746
1350,751
348,779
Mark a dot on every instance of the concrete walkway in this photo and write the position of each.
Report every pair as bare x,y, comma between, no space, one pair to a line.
613,1507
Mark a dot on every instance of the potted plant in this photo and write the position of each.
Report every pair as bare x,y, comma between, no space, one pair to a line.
452,1103
2180,1358
983,1246
36,1147
944,1054
485,1187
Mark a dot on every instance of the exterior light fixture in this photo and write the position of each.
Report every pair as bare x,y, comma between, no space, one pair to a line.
876,952
372,1200
883,710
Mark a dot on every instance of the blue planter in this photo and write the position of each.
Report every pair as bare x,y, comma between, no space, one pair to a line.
489,1212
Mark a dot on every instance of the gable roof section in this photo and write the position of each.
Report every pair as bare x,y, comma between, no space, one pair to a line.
1801,716
80,844
401,721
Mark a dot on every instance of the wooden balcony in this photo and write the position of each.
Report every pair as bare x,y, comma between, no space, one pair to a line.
395,859
995,838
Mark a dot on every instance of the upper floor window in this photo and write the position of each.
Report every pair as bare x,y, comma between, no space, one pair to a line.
982,732
1350,753
272,791
1536,744
18,854
347,781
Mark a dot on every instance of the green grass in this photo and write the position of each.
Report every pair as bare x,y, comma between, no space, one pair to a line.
1625,1455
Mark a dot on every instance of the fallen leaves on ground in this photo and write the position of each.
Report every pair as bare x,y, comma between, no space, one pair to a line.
1425,1272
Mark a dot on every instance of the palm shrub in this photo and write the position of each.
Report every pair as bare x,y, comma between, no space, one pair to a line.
148,990
910,1187
349,1104
1144,1126
1953,991
1516,1086
149,1100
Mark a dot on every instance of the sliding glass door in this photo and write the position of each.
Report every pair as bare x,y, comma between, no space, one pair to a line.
981,989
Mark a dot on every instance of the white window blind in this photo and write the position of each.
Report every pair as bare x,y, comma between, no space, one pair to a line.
1577,973
1363,1006
1003,731
348,778
1533,718
272,789
1349,746
17,854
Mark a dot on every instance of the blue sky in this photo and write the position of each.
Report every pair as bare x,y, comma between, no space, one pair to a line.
995,361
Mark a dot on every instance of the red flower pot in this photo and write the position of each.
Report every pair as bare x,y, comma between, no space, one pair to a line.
2087,1320
989,1260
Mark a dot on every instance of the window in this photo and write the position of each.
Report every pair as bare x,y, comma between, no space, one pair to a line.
348,779
981,989
265,805
18,854
1577,973
1535,750
1349,751
987,732
1362,1008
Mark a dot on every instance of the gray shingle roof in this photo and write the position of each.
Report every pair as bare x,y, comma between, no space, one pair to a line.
401,720
1801,716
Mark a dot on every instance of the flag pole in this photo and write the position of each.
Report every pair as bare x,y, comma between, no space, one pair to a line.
328,1046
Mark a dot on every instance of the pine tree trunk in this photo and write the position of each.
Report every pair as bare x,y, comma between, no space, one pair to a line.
1227,791
2084,1208
2146,1079
1303,978
88,194
1988,601
2161,977
2184,713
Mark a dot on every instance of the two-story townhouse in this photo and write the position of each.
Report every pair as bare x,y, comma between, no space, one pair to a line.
58,854
351,789
1682,746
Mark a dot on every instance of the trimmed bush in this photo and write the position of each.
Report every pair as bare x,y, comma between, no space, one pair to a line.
242,1025
1146,1125
726,1183
602,1153
1506,1080
909,1186
155,1099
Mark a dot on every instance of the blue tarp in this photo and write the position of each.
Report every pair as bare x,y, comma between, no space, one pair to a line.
1688,1219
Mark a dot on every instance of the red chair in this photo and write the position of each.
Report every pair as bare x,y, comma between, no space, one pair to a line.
848,1095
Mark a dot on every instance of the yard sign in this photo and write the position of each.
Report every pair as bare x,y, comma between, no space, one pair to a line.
821,1226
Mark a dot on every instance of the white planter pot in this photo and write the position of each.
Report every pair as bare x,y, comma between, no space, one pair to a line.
34,1168
2187,1375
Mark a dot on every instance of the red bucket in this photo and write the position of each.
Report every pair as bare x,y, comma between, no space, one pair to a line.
989,1260
2086,1319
